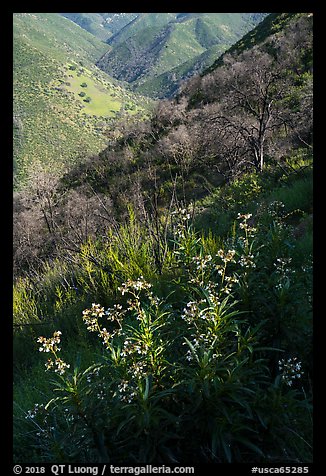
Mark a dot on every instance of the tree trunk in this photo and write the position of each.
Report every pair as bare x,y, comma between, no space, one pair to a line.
258,150
261,157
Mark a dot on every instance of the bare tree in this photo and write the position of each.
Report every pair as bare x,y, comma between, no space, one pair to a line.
43,192
181,146
251,109
255,99
168,113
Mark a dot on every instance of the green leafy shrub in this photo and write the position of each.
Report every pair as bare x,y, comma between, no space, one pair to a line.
187,376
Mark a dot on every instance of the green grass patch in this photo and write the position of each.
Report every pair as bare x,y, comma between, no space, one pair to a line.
103,100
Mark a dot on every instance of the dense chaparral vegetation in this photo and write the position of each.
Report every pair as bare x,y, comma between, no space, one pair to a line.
163,287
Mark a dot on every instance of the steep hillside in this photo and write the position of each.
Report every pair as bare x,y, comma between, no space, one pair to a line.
167,84
154,52
270,25
62,102
152,22
102,25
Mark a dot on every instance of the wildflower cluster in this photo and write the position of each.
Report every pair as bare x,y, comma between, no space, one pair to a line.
226,257
244,225
290,370
192,311
135,353
202,268
39,415
126,391
38,408
134,350
281,265
205,269
134,288
211,290
61,366
276,209
202,318
131,286
51,345
106,336
136,364
131,348
247,257
247,261
115,313
276,212
200,343
90,317
227,282
201,262
283,272
184,214
182,219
